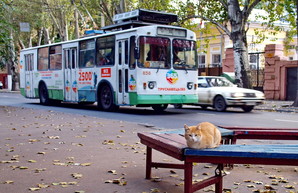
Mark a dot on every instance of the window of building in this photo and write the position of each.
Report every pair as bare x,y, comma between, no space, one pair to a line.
252,58
215,59
87,53
56,57
105,53
43,59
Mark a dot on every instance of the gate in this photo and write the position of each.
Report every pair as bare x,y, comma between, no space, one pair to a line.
291,83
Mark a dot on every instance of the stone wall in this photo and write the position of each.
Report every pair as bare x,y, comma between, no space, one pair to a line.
275,79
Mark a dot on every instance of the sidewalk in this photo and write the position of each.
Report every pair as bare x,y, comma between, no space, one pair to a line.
47,151
277,106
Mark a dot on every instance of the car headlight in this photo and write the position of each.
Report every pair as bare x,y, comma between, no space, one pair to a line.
260,95
237,94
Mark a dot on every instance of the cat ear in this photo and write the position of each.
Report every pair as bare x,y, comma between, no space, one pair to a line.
186,127
198,127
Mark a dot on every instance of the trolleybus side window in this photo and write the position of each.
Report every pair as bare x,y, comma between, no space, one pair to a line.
132,62
43,59
154,52
184,54
105,53
29,62
87,53
56,57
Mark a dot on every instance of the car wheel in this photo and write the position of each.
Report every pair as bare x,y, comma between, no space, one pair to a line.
247,108
220,104
160,107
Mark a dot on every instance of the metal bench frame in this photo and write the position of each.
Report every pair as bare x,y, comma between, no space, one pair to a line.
172,144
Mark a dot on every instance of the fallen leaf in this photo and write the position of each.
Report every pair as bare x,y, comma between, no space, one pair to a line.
86,164
76,175
34,189
8,182
112,172
153,190
156,179
23,167
43,185
290,187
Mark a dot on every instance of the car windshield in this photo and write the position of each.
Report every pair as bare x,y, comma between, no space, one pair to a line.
218,82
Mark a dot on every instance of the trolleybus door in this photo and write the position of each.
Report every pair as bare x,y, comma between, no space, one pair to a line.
29,75
122,81
70,74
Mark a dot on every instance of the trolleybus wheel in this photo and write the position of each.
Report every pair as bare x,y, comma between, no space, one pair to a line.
43,94
106,99
178,106
159,107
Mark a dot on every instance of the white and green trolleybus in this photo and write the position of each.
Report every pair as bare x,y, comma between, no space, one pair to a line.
138,61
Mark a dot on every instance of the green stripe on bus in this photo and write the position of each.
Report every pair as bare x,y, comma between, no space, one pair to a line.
161,99
22,90
56,94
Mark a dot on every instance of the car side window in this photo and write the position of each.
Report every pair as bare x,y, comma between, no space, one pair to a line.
202,83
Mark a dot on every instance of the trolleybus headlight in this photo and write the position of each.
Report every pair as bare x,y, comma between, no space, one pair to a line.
190,85
151,84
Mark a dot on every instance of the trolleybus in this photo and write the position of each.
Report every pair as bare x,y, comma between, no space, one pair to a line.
135,62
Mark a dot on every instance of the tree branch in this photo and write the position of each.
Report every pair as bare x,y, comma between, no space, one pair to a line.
224,28
224,4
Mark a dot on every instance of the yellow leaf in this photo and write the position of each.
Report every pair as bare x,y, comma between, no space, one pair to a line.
76,175
8,182
34,189
86,164
113,172
23,167
32,161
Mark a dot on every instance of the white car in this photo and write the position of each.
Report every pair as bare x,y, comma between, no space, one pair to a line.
1,85
220,93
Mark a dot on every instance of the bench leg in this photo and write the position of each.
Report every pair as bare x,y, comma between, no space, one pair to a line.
219,176
148,162
188,177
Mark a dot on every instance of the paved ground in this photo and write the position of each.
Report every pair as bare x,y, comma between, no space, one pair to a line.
46,151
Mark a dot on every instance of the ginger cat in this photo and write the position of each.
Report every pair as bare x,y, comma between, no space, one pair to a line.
204,135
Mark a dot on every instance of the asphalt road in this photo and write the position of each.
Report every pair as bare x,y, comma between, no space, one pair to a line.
170,119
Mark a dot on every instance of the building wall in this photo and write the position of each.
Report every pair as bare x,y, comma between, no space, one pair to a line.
219,43
275,83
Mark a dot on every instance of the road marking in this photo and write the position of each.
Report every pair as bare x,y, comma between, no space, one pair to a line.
284,120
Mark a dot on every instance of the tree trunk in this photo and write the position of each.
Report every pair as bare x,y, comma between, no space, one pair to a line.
242,76
77,34
47,39
238,35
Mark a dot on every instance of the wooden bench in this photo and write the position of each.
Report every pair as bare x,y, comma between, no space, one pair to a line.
172,143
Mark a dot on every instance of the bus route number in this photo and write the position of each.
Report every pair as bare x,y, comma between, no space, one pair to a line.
85,76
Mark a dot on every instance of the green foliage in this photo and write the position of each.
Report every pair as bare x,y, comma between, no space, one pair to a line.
5,28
